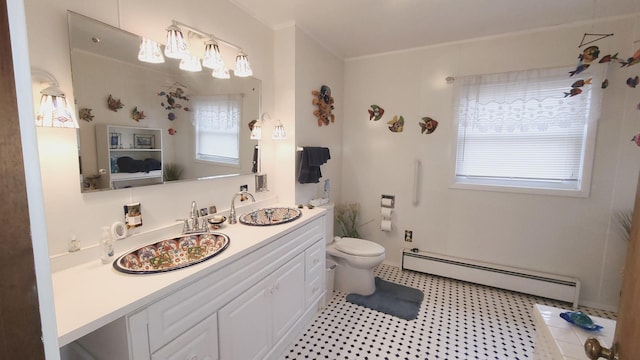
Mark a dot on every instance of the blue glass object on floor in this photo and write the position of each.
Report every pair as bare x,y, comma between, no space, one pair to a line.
581,320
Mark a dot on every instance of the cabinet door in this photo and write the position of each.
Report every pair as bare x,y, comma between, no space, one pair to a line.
287,298
198,343
245,331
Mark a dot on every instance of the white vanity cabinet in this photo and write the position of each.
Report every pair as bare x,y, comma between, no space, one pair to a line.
251,324
252,307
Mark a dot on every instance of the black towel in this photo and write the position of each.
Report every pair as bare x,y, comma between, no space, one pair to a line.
311,159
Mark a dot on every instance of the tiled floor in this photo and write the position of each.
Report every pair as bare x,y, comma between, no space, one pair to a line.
457,320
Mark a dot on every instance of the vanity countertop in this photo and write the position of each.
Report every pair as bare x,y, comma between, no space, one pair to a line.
91,295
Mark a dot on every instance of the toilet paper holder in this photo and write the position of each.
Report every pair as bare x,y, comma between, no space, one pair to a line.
387,201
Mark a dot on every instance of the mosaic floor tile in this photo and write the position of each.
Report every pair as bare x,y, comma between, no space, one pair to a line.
457,320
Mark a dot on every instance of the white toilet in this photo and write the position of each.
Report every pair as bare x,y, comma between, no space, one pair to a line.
355,260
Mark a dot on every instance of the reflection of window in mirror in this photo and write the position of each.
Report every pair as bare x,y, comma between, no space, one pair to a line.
217,126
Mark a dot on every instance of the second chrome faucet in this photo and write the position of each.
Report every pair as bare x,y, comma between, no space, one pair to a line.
232,212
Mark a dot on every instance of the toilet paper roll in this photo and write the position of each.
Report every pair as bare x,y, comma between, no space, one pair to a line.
385,225
386,202
386,212
118,230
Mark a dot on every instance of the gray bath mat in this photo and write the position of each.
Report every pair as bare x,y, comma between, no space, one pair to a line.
390,298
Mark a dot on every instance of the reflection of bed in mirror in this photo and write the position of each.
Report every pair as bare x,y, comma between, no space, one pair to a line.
202,121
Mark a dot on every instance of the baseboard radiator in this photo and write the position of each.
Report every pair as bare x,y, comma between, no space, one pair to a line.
550,286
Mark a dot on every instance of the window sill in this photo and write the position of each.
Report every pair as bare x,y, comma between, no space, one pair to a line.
531,187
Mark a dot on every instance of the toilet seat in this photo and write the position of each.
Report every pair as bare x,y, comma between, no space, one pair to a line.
358,247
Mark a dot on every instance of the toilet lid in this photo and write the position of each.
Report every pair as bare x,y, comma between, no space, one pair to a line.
358,247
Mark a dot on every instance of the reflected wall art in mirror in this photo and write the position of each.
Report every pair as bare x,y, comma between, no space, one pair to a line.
145,124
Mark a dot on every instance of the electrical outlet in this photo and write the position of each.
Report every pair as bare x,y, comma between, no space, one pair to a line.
408,235
244,187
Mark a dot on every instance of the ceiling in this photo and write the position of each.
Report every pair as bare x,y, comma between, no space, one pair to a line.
354,28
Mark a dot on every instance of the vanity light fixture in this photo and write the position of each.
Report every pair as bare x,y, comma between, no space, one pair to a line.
256,132
55,109
150,52
176,47
212,58
243,69
278,132
190,63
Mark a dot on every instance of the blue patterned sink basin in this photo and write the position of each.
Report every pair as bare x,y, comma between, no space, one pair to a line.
270,216
172,254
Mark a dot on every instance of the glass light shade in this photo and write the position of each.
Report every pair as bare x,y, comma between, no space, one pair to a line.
190,63
212,58
256,132
243,69
278,132
150,52
55,110
176,47
221,73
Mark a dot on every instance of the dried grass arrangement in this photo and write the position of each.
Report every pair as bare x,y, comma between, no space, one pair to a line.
346,215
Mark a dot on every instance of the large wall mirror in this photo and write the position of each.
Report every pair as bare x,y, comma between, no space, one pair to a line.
144,124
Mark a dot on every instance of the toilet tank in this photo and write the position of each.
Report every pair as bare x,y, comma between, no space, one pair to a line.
328,222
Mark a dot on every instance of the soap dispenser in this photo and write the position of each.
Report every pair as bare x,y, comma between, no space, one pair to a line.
106,246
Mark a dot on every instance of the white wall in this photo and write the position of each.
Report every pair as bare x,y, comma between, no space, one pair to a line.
67,210
570,236
315,66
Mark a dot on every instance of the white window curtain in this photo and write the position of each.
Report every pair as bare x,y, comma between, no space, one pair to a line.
525,126
216,121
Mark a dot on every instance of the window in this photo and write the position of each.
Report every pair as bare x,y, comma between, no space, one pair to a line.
217,126
524,131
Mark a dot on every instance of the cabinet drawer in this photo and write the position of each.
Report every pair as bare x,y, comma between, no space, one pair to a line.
198,343
313,289
314,259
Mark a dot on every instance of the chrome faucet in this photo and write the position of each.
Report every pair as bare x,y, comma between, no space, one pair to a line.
192,223
232,212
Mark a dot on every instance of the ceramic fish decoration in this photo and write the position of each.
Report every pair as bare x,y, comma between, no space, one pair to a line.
633,82
580,68
429,125
632,60
114,104
375,113
172,131
251,124
85,114
608,58
137,115
636,139
324,101
396,124
573,92
581,83
605,84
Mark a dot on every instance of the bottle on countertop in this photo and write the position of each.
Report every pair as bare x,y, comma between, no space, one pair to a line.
106,246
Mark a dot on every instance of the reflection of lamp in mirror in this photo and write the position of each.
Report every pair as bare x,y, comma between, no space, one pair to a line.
243,69
55,109
176,47
150,52
190,63
221,73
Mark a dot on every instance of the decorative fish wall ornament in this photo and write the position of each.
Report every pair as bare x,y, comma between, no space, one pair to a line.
137,115
429,125
396,124
324,101
589,54
636,139
633,82
85,114
375,113
114,104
